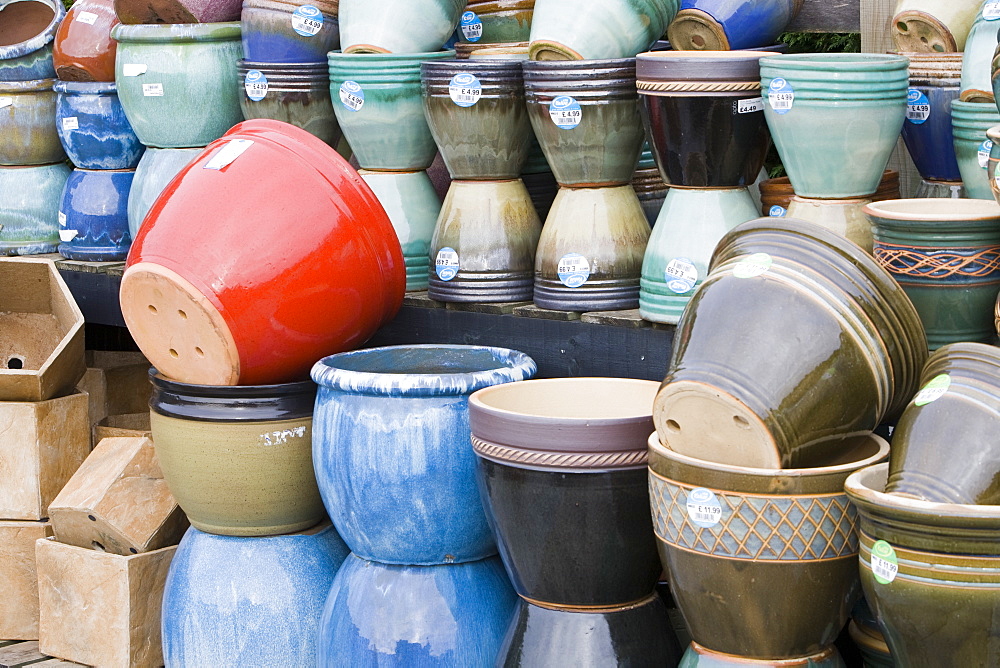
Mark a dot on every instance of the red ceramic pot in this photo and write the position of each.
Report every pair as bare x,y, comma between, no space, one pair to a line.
264,254
83,49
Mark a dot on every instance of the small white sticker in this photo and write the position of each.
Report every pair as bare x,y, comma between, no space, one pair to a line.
777,211
152,90
885,564
565,112
90,18
465,89
703,508
351,95
918,107
991,10
752,265
255,84
750,106
233,149
573,270
984,153
70,123
62,219
133,69
681,275
780,95
933,390
446,264
471,26
67,235
6,102
307,20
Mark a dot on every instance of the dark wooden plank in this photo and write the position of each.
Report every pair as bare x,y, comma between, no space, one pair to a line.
20,654
828,16
532,311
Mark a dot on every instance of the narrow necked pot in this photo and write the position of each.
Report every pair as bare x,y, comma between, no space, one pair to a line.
498,21
28,119
83,49
934,27
93,215
476,113
29,218
93,128
300,97
238,459
287,31
594,29
762,562
156,168
978,54
970,123
945,254
28,28
717,25
397,26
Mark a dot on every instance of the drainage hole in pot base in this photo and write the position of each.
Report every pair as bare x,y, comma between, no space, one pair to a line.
15,363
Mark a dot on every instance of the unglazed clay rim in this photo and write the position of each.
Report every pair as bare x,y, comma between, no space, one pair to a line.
85,87
464,49
951,211
176,32
38,41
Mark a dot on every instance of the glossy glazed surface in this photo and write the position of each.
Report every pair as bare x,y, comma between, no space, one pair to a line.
26,45
743,24
28,120
270,37
92,126
970,124
83,49
697,656
93,216
397,26
930,142
976,84
594,29
156,168
302,99
841,216
30,213
503,21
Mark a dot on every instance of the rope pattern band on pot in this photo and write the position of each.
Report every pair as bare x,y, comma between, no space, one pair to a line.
592,609
698,86
566,460
972,262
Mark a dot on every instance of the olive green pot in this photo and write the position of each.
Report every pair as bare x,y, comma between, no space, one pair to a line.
28,123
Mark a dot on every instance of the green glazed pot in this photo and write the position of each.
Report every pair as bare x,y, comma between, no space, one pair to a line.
678,253
178,83
397,26
762,562
842,216
377,101
595,29
977,56
413,207
970,124
28,123
931,574
945,253
29,217
500,21
834,109
295,94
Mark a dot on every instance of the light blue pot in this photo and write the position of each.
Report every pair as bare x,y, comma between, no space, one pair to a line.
157,168
29,217
238,601
969,123
93,217
597,29
31,57
93,128
392,450
416,616
397,26
977,83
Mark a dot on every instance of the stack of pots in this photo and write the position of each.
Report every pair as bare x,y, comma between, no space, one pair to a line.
496,26
835,109
423,585
485,238
704,116
32,171
747,467
777,195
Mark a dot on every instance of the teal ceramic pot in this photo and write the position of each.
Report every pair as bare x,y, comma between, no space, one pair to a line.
763,563
596,29
980,45
678,253
178,83
835,319
945,253
930,572
834,109
589,255
842,216
29,28
28,123
378,104
413,207
93,216
483,247
697,656
289,31
496,21
156,168
476,113
29,217
585,116
294,93
397,26
970,122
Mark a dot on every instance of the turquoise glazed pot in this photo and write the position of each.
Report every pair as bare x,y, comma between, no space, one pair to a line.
397,26
678,252
178,83
970,122
157,167
289,31
595,29
248,601
28,123
980,45
945,253
378,104
833,109
452,616
93,128
29,217
93,216
293,93
28,28
391,449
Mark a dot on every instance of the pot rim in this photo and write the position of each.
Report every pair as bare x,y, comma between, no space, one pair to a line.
835,62
33,86
38,41
177,32
935,210
481,398
915,511
85,87
228,391
416,58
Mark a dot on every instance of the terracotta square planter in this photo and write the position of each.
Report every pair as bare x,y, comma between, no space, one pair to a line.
19,603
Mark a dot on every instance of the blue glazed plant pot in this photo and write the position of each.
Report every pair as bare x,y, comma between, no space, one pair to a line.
279,31
157,167
242,601
29,217
30,27
93,216
93,128
391,449
927,132
450,616
724,25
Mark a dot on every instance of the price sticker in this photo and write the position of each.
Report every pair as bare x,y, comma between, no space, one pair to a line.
681,275
351,95
918,107
233,149
573,270
983,155
465,89
133,69
780,95
70,123
307,20
933,390
703,508
6,102
752,265
750,106
67,236
90,18
152,90
777,211
885,564
446,264
991,10
471,27
255,84
565,112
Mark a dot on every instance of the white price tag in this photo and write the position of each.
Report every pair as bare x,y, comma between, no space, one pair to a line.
233,149
6,102
307,20
152,90
750,106
703,508
68,235
70,123
133,69
90,18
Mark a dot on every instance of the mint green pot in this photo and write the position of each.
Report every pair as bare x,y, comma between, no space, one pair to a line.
28,123
843,122
397,26
29,217
977,83
387,129
969,123
597,29
178,83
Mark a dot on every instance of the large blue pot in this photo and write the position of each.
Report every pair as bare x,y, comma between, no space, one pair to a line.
93,215
30,28
392,449
29,217
93,128
927,131
238,601
412,616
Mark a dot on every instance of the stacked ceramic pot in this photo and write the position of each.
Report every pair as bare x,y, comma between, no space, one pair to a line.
561,467
776,194
747,467
704,116
970,123
649,187
496,27
485,238
928,519
925,26
423,585
32,171
980,45
717,25
595,29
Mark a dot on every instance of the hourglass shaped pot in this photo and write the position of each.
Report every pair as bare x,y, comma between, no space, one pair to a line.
293,93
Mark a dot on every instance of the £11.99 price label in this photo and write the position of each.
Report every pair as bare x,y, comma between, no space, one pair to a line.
703,508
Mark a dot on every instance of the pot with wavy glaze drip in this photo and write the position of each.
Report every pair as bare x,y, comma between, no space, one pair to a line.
27,30
29,218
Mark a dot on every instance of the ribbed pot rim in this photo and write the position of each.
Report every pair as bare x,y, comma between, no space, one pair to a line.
346,371
36,42
240,403
315,80
621,88
967,359
935,212
974,110
85,87
699,65
277,68
928,80
491,69
177,32
330,8
33,86
834,62
352,60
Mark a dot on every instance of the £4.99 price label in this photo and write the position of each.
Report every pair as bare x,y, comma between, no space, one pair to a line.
471,27
780,95
703,508
307,20
255,84
573,270
918,107
446,264
465,89
983,155
565,112
351,95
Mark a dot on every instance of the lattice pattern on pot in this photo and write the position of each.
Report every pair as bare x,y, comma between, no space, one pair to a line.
779,528
959,263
